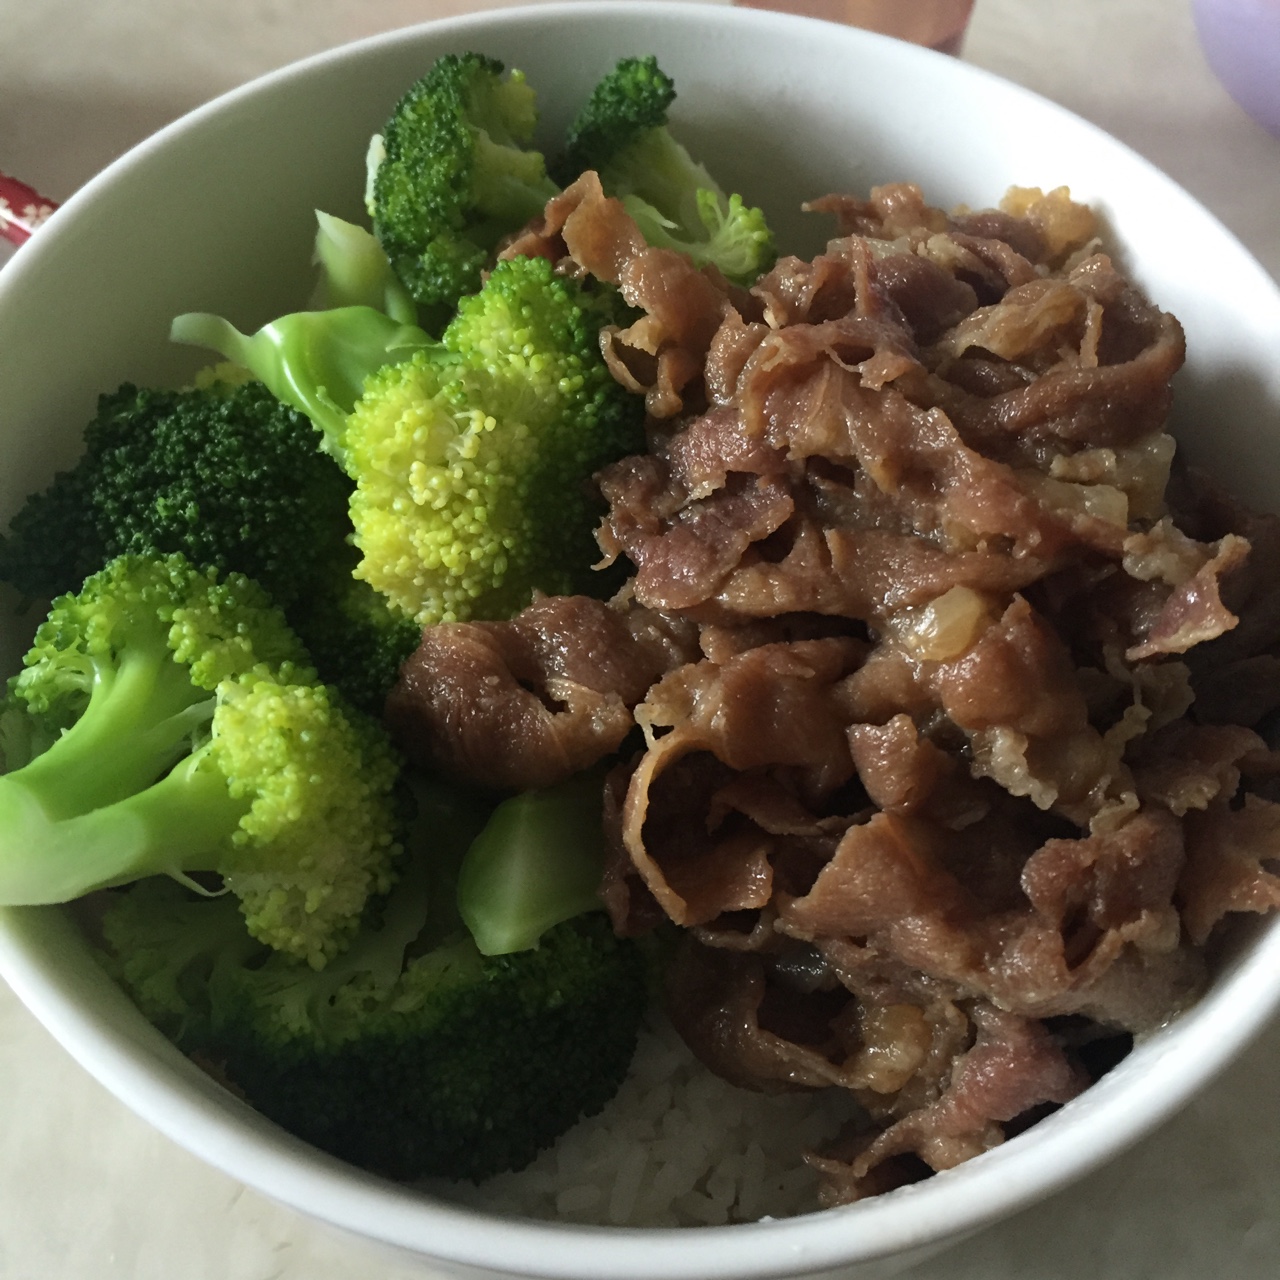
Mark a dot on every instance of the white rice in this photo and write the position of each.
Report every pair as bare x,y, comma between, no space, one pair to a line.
677,1147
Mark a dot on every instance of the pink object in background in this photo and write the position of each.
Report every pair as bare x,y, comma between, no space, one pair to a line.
1241,40
939,24
22,209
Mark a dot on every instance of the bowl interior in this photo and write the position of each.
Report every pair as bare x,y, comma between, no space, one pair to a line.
216,213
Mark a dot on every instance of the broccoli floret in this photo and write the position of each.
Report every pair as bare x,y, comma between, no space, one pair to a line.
412,1054
225,474
629,101
453,172
170,948
472,457
473,474
356,637
480,1063
228,475
622,132
196,739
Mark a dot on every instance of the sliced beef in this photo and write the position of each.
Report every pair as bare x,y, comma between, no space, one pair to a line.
1013,1066
662,354
529,702
956,687
1233,856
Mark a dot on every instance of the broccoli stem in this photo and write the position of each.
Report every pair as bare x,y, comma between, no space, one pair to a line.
656,169
178,825
355,271
536,864
141,714
315,361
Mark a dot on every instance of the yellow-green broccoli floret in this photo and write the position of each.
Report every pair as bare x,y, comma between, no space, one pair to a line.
319,831
167,721
473,463
472,456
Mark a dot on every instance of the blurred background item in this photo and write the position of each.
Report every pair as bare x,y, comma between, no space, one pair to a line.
939,24
1241,40
22,209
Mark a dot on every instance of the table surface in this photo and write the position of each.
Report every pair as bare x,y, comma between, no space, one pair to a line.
88,1191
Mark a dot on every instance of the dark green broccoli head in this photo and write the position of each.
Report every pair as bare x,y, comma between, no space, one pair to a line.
468,1067
356,637
53,544
226,475
629,100
454,172
230,477
410,1054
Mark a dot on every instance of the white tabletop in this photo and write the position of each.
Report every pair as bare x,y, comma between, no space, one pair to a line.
89,1192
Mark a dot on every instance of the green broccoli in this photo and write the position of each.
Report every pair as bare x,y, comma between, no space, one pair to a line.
313,361
412,1054
472,456
225,474
537,863
622,133
629,101
355,271
229,476
356,637
166,721
453,172
473,474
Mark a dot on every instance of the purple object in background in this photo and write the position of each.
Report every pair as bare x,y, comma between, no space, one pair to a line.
1241,40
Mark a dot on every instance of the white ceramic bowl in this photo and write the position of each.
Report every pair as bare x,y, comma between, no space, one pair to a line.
215,213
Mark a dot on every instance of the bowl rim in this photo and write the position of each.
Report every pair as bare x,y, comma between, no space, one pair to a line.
139,1067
